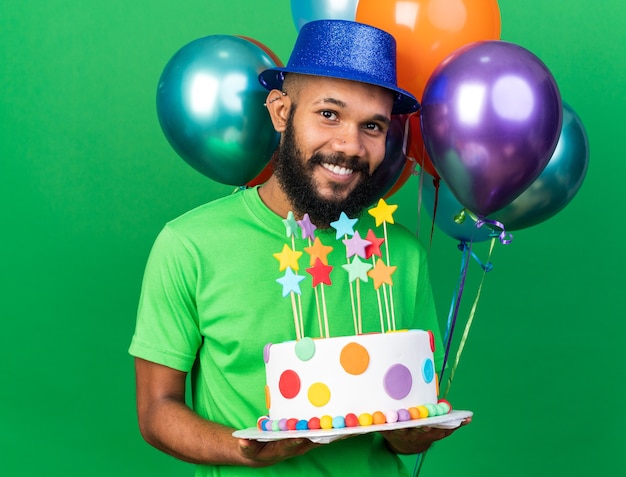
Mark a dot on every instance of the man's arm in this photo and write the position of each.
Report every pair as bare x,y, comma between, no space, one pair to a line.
167,423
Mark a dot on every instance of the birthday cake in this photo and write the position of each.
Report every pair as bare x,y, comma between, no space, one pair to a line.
347,381
351,381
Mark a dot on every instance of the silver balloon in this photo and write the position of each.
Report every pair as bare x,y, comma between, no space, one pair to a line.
304,11
558,183
211,108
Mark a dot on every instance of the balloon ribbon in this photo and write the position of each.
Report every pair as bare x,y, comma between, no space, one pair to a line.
470,320
454,307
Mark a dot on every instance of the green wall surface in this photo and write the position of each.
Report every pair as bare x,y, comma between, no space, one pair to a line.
87,179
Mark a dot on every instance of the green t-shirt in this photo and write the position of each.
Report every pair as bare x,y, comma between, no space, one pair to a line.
210,302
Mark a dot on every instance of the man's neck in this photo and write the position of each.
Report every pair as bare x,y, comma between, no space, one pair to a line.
275,198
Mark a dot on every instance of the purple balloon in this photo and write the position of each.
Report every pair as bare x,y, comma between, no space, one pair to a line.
559,182
491,119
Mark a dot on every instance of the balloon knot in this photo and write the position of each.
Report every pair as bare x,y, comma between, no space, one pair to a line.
504,237
460,217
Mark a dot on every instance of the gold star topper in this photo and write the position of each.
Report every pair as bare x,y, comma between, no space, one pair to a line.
288,258
383,212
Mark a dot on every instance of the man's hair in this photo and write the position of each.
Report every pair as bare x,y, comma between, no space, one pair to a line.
293,84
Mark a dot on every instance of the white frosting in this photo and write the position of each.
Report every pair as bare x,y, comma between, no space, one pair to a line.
381,384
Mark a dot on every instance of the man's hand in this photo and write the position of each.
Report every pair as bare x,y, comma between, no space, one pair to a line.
263,454
417,439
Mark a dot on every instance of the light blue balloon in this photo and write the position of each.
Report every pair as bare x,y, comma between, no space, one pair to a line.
449,217
304,11
211,108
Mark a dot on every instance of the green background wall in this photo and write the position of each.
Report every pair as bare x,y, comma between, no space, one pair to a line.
87,179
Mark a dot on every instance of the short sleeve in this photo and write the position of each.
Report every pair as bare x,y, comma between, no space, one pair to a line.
167,329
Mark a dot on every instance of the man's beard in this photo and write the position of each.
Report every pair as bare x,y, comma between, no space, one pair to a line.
295,175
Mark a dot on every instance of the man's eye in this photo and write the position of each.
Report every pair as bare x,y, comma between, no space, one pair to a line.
329,115
373,127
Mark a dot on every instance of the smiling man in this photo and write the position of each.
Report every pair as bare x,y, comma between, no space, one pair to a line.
209,301
325,165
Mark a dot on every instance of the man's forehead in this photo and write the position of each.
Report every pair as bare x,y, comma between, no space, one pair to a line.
343,93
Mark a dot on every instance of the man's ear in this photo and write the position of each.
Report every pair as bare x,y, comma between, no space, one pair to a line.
278,105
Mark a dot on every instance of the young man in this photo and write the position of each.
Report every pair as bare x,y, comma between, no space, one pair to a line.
210,301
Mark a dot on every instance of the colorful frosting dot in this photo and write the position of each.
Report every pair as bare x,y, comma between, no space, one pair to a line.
446,404
305,349
431,337
423,411
319,394
268,400
432,409
398,381
302,425
354,358
378,418
428,370
326,422
351,420
365,419
314,423
414,413
339,422
403,415
266,352
291,424
289,384
282,424
391,416
260,423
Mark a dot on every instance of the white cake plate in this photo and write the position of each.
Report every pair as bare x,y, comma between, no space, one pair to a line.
452,420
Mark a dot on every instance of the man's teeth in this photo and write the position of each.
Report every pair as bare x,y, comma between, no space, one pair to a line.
342,171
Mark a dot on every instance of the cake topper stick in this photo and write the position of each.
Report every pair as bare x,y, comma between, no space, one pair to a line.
325,314
344,227
299,298
383,213
357,247
358,300
357,271
390,326
354,318
318,309
391,302
380,312
320,271
372,251
381,274
297,322
291,286
321,276
291,229
288,259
